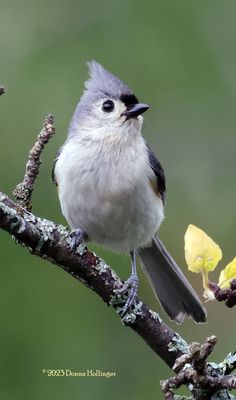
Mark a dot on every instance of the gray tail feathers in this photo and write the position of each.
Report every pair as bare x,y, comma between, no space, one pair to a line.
174,292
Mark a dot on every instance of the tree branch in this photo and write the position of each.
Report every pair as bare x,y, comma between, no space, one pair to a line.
2,90
23,191
226,295
52,242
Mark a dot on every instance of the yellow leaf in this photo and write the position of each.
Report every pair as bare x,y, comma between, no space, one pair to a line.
227,275
201,252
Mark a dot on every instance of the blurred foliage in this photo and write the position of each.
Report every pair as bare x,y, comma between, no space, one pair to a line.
178,56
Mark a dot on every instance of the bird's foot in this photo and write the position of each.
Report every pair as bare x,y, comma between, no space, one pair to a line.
130,286
77,236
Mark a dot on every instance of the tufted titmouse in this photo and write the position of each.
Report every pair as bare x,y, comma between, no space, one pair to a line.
112,190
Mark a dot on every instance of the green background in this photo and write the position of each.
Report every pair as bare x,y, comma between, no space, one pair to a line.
179,57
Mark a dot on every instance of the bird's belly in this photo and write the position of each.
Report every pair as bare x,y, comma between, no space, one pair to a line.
121,221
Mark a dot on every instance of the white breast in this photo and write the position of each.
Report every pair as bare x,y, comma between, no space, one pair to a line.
104,189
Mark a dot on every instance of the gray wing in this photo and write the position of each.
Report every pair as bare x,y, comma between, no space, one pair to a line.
53,166
159,173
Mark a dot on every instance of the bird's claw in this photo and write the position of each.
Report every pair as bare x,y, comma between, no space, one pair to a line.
77,236
130,286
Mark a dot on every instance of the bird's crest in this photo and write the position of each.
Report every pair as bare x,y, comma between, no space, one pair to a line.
105,82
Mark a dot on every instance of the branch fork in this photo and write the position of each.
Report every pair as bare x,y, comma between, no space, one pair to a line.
203,379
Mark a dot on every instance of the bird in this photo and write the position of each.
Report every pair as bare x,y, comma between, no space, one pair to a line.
112,191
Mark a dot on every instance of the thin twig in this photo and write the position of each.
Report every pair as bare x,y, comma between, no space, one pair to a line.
23,191
190,376
2,90
226,295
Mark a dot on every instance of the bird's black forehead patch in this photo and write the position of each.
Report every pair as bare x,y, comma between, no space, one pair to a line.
129,99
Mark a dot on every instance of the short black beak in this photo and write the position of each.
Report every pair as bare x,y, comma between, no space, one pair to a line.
135,110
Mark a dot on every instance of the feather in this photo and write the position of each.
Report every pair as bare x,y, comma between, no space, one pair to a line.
158,184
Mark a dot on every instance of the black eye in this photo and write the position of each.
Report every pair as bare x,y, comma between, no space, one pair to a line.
108,106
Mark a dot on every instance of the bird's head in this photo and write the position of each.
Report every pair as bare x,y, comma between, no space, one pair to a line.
107,106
